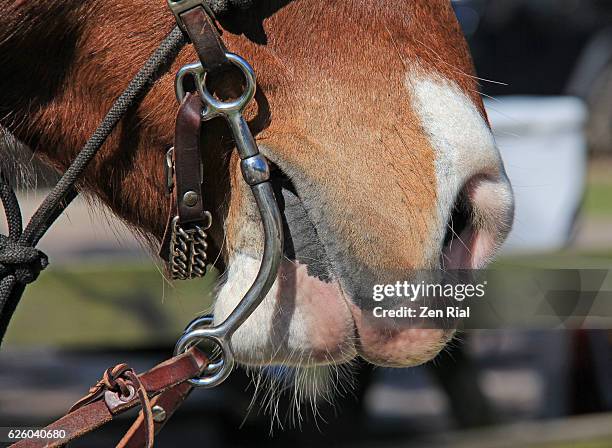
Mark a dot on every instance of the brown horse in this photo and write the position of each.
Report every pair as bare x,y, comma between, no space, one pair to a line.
369,111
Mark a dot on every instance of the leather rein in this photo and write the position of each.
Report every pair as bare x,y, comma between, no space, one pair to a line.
161,390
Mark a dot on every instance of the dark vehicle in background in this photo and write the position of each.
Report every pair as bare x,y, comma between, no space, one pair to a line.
566,45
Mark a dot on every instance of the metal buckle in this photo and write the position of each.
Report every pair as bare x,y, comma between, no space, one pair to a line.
178,7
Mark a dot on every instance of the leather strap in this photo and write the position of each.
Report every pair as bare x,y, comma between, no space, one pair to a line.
167,402
211,50
206,39
123,380
187,172
98,409
188,161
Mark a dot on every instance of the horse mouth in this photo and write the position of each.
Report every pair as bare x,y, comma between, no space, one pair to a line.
321,314
301,241
331,319
308,294
317,310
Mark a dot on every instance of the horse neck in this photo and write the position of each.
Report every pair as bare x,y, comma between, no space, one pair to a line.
37,45
51,99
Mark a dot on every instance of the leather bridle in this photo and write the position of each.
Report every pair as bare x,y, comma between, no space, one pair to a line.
161,390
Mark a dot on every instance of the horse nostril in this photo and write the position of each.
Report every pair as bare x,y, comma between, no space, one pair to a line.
456,248
479,223
460,219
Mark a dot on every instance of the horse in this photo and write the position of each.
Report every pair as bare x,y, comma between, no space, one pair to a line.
369,110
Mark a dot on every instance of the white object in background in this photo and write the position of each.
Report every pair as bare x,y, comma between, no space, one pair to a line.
543,146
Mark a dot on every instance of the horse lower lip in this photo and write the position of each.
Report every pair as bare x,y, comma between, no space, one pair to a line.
390,346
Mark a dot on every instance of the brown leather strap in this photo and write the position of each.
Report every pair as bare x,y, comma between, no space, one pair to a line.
145,409
123,380
188,161
205,37
165,405
187,173
95,412
187,155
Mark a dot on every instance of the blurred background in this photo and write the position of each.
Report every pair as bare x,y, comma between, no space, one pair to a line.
547,81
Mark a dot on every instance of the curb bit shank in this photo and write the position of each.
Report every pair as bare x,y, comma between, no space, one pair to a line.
256,173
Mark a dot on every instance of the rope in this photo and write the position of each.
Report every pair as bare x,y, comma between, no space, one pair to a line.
20,262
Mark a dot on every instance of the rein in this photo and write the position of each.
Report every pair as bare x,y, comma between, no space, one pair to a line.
161,390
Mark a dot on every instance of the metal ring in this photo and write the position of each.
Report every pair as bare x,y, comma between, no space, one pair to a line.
206,321
222,369
195,70
217,106
209,219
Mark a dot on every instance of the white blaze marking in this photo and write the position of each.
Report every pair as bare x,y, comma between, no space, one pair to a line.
463,143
